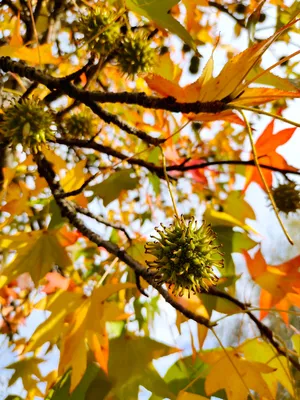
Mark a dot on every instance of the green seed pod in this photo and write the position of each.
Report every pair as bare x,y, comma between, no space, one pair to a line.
287,197
190,260
28,123
135,54
100,30
80,125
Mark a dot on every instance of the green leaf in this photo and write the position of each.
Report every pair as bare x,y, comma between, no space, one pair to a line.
56,220
296,343
28,370
183,372
155,182
232,242
221,305
238,207
94,384
217,218
157,11
111,188
130,365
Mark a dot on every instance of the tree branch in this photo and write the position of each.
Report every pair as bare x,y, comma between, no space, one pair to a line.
20,68
69,211
263,329
89,97
158,170
102,220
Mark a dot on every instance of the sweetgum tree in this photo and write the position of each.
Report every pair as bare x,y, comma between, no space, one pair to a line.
126,159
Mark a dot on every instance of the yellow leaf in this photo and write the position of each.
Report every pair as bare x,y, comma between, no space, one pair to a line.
255,96
189,396
296,342
236,375
222,218
59,304
37,252
231,77
28,370
36,55
88,324
259,351
73,180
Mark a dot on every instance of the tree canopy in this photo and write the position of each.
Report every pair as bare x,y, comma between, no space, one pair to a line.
131,135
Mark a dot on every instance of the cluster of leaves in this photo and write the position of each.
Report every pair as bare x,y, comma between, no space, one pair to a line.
96,117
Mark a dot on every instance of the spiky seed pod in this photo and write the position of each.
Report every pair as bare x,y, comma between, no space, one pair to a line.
287,197
185,256
135,54
80,125
100,30
28,123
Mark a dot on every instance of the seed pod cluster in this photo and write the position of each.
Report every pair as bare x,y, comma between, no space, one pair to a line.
185,256
131,49
79,125
135,54
287,197
28,123
100,30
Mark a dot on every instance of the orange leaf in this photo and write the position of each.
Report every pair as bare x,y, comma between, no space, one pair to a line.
266,147
230,80
277,282
41,54
57,281
255,96
229,85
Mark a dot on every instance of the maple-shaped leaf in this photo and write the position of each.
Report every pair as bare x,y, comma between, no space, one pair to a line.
266,147
188,94
229,86
36,253
28,370
60,305
111,188
87,327
261,351
126,348
276,282
232,372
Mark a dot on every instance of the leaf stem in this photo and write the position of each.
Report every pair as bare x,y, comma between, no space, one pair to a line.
168,182
257,111
281,61
234,366
255,157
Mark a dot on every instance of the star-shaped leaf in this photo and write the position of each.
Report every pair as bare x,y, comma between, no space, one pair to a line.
277,282
266,147
36,253
240,377
230,86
